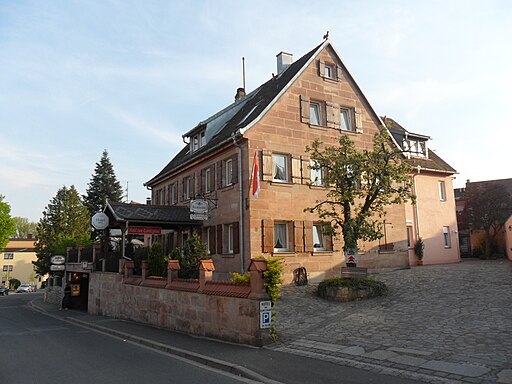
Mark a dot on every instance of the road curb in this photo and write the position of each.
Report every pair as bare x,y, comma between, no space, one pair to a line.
211,362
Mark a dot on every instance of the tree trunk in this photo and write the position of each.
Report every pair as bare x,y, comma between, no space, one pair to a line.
487,244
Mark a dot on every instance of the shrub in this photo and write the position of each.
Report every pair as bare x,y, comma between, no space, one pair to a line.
419,247
14,283
156,261
194,250
237,278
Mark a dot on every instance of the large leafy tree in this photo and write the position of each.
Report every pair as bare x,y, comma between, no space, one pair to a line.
360,185
65,222
489,206
24,227
7,223
103,186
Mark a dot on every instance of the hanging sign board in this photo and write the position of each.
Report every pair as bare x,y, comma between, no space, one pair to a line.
99,221
144,230
57,260
199,206
198,216
55,268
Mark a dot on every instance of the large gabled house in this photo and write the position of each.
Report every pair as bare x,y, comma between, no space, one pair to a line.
312,98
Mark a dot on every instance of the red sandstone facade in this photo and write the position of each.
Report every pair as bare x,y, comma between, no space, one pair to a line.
313,98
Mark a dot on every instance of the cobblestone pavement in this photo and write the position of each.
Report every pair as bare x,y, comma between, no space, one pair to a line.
439,324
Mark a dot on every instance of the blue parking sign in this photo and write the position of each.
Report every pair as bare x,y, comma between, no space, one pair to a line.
265,319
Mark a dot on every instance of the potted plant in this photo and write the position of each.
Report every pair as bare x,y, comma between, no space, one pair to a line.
419,247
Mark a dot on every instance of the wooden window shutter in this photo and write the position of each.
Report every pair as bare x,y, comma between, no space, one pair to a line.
212,177
304,109
296,170
268,236
321,68
328,242
218,239
338,73
308,236
219,174
203,181
236,237
298,236
192,186
267,164
332,112
183,188
359,120
211,237
306,170
234,163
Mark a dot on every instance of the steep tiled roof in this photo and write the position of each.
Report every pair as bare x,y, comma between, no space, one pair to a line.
432,162
245,111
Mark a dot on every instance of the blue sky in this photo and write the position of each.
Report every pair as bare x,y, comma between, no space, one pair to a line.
77,77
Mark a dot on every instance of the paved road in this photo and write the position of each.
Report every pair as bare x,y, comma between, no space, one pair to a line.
445,323
42,349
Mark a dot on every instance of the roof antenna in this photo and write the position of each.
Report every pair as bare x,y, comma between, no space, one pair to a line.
243,72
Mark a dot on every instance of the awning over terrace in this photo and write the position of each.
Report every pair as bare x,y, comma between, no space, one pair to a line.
123,216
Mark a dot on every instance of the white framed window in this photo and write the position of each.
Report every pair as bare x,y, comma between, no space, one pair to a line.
345,120
315,116
187,188
229,171
442,191
207,179
202,139
329,71
8,256
280,168
318,237
280,237
7,268
317,173
446,236
229,231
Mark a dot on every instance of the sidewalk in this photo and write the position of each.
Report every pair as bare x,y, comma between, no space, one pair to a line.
259,364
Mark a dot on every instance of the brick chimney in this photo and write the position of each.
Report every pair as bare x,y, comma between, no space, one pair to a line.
284,60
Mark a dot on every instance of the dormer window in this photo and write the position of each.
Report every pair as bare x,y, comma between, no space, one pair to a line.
415,148
198,141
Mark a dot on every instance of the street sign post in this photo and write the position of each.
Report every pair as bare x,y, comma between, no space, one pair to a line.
265,314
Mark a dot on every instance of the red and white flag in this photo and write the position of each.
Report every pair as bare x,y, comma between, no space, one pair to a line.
255,176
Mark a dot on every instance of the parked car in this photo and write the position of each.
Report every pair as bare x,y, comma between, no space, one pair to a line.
4,291
24,288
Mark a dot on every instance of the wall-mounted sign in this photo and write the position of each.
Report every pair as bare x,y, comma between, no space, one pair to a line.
198,206
55,268
99,221
57,260
144,230
265,314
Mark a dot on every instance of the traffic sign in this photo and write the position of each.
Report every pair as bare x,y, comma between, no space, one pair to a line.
265,319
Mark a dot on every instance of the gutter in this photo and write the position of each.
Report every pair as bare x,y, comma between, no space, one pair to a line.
241,205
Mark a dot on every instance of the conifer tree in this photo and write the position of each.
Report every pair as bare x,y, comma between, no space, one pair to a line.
65,222
103,186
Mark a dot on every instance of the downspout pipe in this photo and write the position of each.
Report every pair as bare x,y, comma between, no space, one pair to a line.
416,209
241,203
